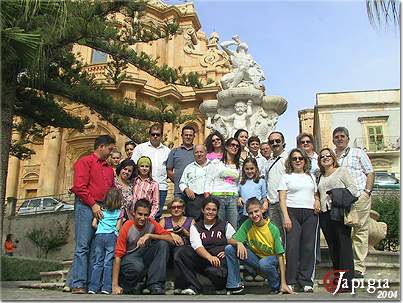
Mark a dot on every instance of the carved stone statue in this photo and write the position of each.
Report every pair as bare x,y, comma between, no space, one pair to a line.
242,103
245,69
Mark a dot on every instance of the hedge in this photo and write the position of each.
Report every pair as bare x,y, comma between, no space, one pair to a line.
22,268
387,204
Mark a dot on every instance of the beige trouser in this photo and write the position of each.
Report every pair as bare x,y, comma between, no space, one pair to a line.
359,235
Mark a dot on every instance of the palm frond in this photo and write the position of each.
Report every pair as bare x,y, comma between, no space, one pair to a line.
383,12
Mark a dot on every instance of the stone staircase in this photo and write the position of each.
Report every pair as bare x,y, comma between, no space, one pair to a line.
380,265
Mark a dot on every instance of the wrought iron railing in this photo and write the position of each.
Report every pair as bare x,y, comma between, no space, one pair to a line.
381,144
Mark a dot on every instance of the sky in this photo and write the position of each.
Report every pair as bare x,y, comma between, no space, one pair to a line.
308,47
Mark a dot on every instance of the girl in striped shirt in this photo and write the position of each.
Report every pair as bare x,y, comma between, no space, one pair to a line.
144,187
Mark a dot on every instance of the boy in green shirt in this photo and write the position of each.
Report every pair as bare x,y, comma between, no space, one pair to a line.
264,251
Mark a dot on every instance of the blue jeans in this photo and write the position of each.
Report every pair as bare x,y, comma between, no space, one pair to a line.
84,250
104,253
163,197
228,209
267,265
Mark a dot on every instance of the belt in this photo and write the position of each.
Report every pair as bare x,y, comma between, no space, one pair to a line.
224,194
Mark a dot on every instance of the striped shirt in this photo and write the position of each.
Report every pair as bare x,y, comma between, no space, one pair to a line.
358,164
146,189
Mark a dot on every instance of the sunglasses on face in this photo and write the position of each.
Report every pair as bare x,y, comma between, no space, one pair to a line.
275,141
325,156
155,134
297,159
177,207
306,142
216,140
234,145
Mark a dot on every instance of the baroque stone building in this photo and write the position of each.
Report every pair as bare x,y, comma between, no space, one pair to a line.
49,170
372,118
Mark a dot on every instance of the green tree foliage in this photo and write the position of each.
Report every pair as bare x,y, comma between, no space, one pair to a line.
38,67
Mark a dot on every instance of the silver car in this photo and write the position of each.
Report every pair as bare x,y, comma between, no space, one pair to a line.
43,205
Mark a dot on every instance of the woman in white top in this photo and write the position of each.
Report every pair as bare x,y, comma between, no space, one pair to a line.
337,234
299,204
222,181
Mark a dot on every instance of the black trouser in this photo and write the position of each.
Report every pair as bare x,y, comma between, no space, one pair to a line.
151,260
338,238
193,207
187,262
301,246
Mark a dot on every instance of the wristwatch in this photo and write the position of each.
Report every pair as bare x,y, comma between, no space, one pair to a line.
368,191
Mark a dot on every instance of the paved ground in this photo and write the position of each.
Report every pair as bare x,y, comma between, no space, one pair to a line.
13,291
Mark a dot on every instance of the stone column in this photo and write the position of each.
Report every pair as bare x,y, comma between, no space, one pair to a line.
13,171
48,176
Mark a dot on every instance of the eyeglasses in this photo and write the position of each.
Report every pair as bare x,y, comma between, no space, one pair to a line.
155,134
234,145
275,140
305,142
177,207
216,140
297,159
325,156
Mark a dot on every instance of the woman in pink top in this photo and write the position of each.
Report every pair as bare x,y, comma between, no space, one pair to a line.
214,145
144,187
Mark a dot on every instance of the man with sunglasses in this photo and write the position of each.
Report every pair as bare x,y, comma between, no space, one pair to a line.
275,171
360,168
158,153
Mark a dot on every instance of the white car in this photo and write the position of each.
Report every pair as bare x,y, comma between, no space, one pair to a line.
43,205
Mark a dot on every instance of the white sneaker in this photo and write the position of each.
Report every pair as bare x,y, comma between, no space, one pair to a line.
308,288
105,292
188,291
91,292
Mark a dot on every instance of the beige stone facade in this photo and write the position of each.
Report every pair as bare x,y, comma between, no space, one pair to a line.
49,170
372,118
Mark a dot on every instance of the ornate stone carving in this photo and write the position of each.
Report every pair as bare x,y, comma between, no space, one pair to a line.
377,230
191,41
214,57
242,103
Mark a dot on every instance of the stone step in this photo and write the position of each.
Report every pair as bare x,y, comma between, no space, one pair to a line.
66,264
57,276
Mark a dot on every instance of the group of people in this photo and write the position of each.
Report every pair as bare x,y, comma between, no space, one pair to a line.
235,201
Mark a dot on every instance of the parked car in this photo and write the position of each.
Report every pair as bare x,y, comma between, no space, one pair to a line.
43,205
386,181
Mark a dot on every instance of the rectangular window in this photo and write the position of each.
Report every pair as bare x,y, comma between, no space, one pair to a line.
98,57
375,138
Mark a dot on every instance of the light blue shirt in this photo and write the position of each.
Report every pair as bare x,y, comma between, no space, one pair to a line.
107,224
251,189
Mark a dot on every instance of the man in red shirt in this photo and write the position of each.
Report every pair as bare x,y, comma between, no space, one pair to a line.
93,177
139,251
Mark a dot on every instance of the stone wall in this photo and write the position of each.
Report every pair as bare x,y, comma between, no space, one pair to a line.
19,226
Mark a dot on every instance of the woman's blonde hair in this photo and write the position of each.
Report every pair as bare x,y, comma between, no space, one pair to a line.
332,154
307,162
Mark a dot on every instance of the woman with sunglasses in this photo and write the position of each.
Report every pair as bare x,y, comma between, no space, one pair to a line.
299,204
214,145
337,234
305,142
177,224
222,181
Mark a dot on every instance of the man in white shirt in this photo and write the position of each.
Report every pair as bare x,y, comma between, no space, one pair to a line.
274,173
158,153
192,182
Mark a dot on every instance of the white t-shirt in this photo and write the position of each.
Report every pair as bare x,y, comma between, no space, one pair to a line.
300,190
194,237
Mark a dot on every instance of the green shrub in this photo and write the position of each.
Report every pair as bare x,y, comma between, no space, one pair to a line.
22,269
387,204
